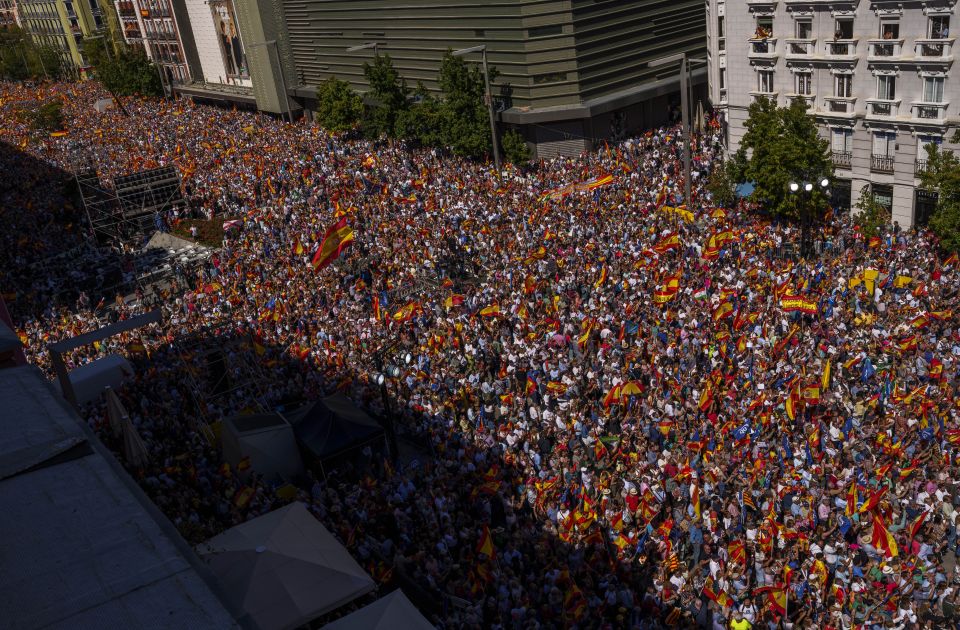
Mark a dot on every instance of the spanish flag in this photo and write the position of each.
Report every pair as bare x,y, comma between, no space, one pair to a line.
453,300
952,260
336,239
794,303
376,308
724,309
406,312
825,377
706,398
531,386
908,344
490,311
601,279
297,247
882,539
790,404
811,394
667,243
485,546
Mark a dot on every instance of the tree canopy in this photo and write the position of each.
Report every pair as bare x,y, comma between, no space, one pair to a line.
21,58
942,174
339,108
389,93
781,145
123,70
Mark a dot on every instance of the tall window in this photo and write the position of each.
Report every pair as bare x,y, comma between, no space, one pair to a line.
764,27
804,29
842,141
765,81
939,27
723,78
884,143
889,28
933,89
804,83
843,85
844,29
923,142
887,87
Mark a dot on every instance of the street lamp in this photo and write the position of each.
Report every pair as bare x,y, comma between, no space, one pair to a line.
807,188
482,48
283,81
684,114
365,46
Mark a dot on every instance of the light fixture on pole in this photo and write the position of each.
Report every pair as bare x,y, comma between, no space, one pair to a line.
365,46
684,114
283,82
805,218
482,48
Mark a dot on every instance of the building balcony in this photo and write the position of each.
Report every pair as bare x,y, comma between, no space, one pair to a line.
881,163
933,48
842,159
884,49
919,166
839,104
763,48
932,112
807,99
882,108
800,48
770,96
841,48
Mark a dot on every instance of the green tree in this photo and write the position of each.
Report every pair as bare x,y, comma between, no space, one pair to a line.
21,58
123,70
466,121
942,174
722,185
47,117
339,108
781,145
390,94
871,216
423,120
515,148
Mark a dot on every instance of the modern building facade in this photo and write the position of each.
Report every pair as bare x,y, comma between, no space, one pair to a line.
64,24
571,72
874,73
154,25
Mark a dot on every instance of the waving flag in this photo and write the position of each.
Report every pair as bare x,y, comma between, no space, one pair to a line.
882,539
485,546
337,238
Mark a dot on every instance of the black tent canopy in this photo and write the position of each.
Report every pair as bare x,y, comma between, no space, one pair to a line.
332,426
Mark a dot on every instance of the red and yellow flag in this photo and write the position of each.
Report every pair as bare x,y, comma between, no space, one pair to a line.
336,239
882,538
485,546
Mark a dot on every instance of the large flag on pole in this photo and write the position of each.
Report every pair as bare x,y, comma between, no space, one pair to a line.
336,239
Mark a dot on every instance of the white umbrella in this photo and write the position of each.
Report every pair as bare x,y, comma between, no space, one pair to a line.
284,569
134,450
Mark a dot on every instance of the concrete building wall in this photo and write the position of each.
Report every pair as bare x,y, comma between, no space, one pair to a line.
838,57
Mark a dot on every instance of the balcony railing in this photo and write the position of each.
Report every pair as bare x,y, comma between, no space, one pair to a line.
885,108
841,48
763,47
919,166
800,47
933,49
885,48
842,159
881,163
930,111
839,104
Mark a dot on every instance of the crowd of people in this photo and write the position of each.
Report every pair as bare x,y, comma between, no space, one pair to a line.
637,416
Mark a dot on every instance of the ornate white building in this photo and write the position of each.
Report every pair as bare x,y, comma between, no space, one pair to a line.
875,73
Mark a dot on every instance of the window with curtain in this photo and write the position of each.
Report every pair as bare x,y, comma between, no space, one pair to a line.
933,89
884,143
887,87
842,141
843,85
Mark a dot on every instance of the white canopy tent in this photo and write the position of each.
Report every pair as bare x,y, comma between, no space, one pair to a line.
284,569
390,612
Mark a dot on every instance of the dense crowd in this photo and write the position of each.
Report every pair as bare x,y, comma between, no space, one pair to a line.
638,416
